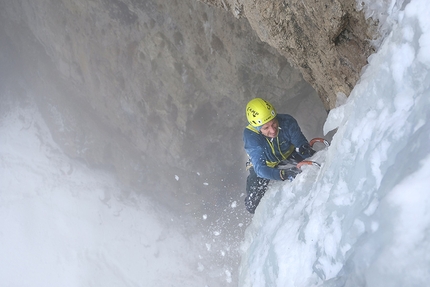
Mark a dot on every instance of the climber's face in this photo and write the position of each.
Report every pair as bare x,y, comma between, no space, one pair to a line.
270,129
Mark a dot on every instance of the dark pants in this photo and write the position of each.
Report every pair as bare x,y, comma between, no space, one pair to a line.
255,189
256,186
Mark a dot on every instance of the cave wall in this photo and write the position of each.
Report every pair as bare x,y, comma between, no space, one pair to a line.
153,90
328,41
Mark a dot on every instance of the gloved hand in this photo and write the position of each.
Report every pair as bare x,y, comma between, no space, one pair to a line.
289,174
306,151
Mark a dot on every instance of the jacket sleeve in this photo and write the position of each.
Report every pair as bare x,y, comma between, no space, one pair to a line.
294,132
255,146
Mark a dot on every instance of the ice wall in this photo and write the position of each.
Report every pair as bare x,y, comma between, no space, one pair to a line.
362,219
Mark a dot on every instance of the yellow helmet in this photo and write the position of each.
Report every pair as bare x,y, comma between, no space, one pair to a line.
259,112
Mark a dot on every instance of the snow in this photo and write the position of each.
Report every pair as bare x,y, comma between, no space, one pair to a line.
63,224
362,219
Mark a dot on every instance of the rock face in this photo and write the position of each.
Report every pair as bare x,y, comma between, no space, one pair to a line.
153,90
329,41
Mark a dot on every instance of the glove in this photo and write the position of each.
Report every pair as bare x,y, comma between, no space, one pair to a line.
306,151
289,174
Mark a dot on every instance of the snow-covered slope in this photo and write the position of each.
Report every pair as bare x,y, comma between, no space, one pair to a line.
363,219
63,224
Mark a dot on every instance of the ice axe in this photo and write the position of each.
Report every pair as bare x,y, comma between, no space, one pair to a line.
310,162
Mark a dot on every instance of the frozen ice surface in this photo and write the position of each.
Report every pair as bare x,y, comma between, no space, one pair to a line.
363,218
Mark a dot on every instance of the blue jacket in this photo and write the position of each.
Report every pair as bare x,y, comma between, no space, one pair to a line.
266,153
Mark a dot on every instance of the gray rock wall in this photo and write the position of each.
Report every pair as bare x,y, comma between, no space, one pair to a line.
328,41
153,91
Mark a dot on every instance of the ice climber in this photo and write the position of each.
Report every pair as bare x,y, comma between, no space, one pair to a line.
274,144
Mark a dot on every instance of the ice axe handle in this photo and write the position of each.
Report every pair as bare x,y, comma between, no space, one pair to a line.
307,162
321,140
